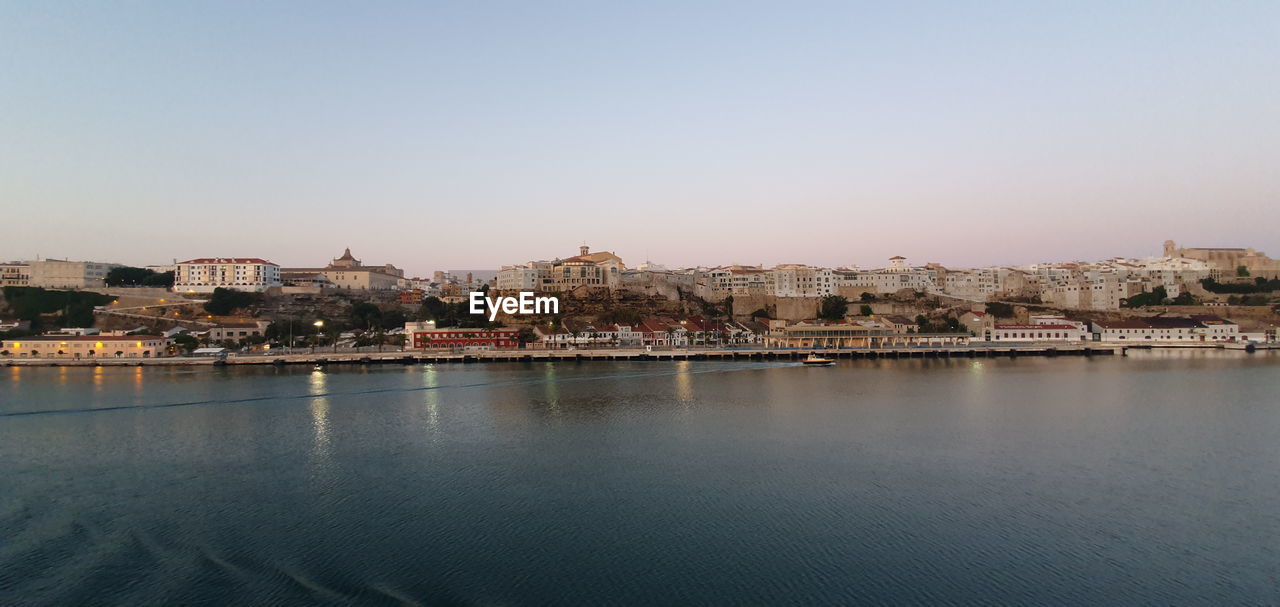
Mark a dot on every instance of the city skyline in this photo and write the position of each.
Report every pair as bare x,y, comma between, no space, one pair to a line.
467,136
631,262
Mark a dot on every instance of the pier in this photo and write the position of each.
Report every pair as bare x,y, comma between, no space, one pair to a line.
528,356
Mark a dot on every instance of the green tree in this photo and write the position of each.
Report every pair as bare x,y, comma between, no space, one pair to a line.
366,315
1242,271
833,307
865,310
999,309
162,279
127,276
185,342
867,297
225,301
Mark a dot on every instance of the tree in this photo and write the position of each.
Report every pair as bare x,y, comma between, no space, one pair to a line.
1153,297
366,315
867,297
186,342
1242,271
526,336
865,310
999,309
162,279
126,276
225,301
761,313
833,307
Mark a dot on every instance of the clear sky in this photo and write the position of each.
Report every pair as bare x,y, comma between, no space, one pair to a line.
475,134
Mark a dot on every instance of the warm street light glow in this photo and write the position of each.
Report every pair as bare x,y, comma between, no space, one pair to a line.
318,323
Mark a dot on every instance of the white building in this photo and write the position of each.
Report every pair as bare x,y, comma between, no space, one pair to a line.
1198,328
240,273
796,280
1039,333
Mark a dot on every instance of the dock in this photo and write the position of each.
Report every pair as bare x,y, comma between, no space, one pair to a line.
531,356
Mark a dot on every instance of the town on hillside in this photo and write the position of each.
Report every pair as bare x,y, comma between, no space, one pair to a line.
216,306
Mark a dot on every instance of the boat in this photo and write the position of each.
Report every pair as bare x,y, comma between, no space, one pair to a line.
818,361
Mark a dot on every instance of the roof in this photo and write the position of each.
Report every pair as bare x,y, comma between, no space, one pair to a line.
1125,323
237,260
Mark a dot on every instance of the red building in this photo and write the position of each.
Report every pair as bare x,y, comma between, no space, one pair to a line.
422,336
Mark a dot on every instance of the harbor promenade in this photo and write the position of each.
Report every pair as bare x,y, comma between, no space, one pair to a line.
734,354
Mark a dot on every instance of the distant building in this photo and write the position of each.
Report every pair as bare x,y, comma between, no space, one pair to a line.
1224,261
63,274
347,272
15,274
205,274
602,269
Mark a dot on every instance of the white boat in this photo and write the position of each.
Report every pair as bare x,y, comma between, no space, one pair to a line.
818,361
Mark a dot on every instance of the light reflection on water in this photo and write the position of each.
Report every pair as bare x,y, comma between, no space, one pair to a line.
319,406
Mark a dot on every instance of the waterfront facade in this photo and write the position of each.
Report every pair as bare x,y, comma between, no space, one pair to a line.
1198,328
84,346
1039,333
426,336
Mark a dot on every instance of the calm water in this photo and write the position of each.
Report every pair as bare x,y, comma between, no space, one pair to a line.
1149,479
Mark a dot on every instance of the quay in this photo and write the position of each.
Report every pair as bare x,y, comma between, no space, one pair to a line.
428,357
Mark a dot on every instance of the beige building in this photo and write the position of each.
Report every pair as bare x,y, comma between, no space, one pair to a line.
237,330
347,272
84,346
63,274
1223,262
603,269
15,274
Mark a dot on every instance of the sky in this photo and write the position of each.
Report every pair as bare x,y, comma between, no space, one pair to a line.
478,134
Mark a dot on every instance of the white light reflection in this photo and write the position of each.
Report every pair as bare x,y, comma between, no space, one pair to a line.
319,387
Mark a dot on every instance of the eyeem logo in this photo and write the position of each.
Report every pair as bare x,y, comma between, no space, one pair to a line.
526,303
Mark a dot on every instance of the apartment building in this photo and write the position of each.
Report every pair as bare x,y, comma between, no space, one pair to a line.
205,274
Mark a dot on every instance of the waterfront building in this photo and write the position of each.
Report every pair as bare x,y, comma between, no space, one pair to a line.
205,274
237,330
1038,333
84,346
1197,328
426,336
815,334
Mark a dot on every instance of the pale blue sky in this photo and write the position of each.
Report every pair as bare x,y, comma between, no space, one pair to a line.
474,134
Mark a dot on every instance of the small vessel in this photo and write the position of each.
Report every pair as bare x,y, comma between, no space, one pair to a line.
818,361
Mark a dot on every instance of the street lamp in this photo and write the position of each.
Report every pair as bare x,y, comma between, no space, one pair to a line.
319,324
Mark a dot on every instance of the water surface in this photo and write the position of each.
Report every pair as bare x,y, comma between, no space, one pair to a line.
1148,479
